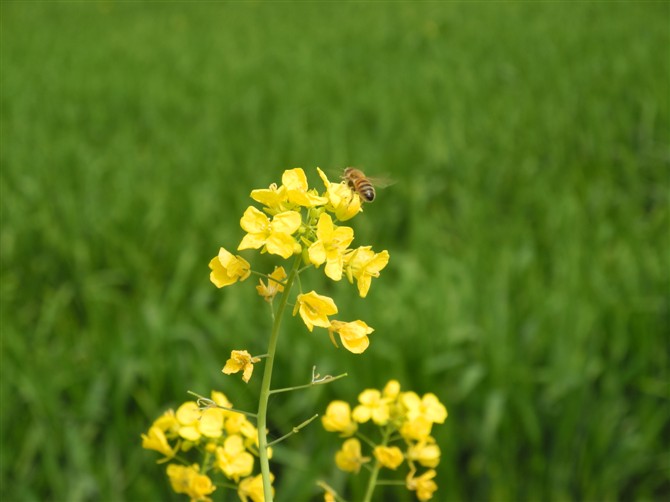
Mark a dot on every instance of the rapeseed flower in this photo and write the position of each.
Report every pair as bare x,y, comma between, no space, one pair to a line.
338,419
228,269
330,246
189,481
343,202
252,489
353,335
314,309
349,458
425,452
363,264
428,407
372,406
389,456
274,285
233,459
424,486
155,440
273,235
240,360
297,189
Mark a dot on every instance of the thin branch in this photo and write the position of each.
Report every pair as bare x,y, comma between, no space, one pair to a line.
295,430
316,380
206,403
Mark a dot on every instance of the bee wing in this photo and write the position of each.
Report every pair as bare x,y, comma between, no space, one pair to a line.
381,181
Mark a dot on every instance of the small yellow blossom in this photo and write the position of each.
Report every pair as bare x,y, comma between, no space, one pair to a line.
211,422
330,246
388,456
315,309
428,407
423,485
297,189
372,406
188,416
392,389
274,199
354,335
269,291
233,459
338,419
349,458
155,439
240,360
252,489
168,423
220,399
227,269
189,481
426,452
342,201
417,429
275,236
363,264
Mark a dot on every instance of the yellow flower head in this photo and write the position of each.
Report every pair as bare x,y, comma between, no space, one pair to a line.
188,416
342,201
423,485
363,264
372,406
297,189
233,459
354,335
388,456
211,422
274,236
349,458
240,360
428,407
315,309
392,389
252,489
417,429
189,481
426,452
227,269
338,419
274,199
269,291
330,246
155,439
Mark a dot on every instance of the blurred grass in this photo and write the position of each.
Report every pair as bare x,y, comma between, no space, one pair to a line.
528,232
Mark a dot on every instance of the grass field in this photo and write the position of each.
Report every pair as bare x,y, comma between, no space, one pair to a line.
528,232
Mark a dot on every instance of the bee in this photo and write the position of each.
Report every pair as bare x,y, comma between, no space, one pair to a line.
361,184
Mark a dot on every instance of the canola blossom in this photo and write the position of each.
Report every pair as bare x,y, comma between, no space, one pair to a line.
403,418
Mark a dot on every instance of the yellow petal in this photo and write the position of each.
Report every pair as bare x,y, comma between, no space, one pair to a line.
287,222
254,220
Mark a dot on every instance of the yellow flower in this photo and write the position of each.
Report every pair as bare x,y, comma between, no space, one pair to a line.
363,264
392,389
155,440
252,488
342,201
233,459
388,456
188,416
338,419
426,452
349,458
297,189
189,481
227,269
428,407
269,291
221,399
423,485
211,422
240,360
372,406
273,235
274,199
354,335
330,246
417,429
315,309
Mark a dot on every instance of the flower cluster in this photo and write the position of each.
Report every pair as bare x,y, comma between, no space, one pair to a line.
225,438
298,220
402,417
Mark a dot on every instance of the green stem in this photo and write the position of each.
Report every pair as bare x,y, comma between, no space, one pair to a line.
372,482
262,414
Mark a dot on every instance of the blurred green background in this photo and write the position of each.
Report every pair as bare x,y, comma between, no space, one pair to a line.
528,232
